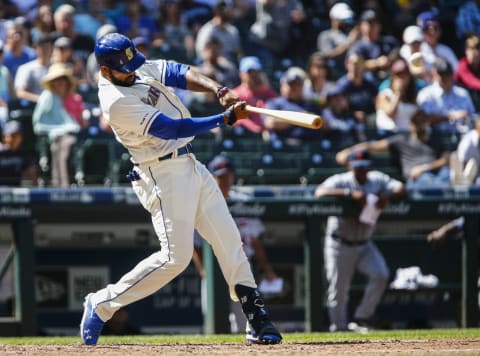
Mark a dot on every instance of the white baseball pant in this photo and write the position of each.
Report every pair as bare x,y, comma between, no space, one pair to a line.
180,195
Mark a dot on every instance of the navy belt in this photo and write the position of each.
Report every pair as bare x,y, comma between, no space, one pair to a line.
349,242
180,151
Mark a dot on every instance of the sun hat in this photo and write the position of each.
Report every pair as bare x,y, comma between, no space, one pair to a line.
58,70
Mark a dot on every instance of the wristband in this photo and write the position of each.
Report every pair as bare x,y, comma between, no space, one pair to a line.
221,92
347,192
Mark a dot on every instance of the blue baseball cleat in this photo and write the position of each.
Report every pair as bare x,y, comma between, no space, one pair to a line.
91,325
268,334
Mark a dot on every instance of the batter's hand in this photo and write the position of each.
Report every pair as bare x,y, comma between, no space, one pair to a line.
235,112
226,97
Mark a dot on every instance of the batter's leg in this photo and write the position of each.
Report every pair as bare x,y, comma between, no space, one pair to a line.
173,218
217,226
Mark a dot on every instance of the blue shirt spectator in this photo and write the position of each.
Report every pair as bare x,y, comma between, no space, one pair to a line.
135,22
16,52
372,45
291,98
359,87
468,18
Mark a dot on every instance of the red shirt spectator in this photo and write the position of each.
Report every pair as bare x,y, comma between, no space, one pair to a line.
253,91
468,71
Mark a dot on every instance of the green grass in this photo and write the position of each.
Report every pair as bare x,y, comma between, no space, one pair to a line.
435,334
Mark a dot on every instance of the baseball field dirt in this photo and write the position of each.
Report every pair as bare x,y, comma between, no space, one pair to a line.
390,347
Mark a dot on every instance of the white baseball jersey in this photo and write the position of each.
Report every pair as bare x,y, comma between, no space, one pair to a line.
130,119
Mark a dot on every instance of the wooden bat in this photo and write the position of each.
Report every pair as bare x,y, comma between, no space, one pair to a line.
304,119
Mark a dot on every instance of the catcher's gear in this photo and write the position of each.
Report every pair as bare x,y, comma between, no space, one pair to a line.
235,112
118,52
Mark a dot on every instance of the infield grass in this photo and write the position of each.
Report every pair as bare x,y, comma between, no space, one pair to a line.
387,335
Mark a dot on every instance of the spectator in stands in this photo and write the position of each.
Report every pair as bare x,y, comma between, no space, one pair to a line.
340,125
396,104
423,158
221,29
449,106
17,51
431,48
468,71
6,89
89,17
291,98
411,52
255,90
333,43
348,247
372,45
317,84
43,24
412,40
92,67
136,21
196,13
360,89
251,232
213,61
176,31
142,44
28,81
465,161
73,103
63,53
269,36
82,44
51,118
15,164
467,19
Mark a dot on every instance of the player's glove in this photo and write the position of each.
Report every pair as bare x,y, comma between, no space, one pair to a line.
235,112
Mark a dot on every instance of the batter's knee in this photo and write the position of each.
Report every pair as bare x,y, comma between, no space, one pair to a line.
182,259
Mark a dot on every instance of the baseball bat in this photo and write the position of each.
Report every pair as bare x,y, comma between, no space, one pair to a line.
304,119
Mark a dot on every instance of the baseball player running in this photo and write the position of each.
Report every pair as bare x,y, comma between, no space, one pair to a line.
176,189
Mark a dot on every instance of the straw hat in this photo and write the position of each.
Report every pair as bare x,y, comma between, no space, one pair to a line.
58,70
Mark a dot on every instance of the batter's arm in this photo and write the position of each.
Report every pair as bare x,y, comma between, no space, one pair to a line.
201,83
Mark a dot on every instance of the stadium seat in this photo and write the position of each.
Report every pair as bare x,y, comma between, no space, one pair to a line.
96,162
279,168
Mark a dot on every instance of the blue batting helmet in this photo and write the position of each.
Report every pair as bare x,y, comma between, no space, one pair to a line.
118,52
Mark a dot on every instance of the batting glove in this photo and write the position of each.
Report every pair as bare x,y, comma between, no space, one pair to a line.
235,112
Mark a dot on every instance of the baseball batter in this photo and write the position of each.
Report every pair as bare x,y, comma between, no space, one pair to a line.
347,244
177,190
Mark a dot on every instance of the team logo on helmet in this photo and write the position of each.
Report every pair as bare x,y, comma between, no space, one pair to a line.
129,53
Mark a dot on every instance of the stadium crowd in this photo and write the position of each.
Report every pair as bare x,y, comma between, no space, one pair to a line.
374,70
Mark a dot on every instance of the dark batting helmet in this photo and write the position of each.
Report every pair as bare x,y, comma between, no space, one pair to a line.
118,52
